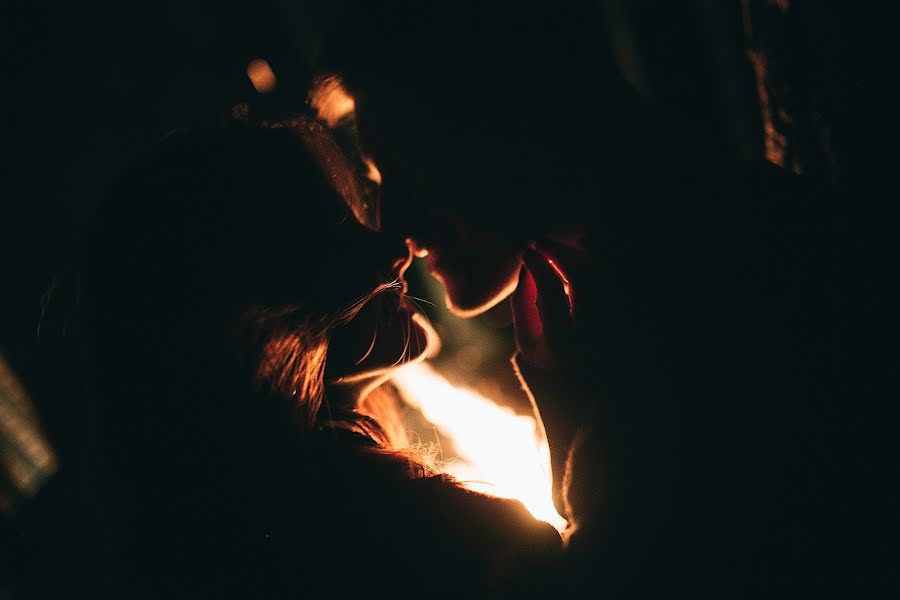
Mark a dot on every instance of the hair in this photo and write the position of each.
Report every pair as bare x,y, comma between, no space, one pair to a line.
200,288
211,295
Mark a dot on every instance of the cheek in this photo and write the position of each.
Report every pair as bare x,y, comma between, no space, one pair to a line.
328,276
492,257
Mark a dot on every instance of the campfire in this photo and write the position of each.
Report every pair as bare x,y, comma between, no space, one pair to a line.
497,451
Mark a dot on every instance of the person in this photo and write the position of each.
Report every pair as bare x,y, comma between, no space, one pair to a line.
243,313
676,313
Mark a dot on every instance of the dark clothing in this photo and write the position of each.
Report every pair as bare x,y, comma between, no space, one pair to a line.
329,515
709,460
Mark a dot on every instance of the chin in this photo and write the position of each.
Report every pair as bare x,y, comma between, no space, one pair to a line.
393,352
476,281
465,303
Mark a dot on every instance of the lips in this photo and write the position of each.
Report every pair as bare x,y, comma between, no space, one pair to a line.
418,250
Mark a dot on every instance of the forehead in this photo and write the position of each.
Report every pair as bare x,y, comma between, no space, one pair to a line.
302,165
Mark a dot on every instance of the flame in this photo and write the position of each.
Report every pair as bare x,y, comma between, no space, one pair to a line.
261,75
500,453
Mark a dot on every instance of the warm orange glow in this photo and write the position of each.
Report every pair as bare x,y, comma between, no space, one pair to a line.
331,101
26,458
373,174
261,75
500,453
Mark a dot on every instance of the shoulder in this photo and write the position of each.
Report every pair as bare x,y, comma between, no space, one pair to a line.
511,553
490,517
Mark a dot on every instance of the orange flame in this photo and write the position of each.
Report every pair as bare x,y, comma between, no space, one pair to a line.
500,453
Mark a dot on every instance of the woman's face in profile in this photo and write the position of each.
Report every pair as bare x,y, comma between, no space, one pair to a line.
388,330
360,269
274,219
442,190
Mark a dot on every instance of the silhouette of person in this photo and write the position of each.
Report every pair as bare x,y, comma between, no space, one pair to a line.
242,312
676,318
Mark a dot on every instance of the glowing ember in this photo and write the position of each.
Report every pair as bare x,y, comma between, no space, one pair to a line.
500,453
261,75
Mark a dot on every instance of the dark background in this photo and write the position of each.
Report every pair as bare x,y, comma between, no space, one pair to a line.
86,87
